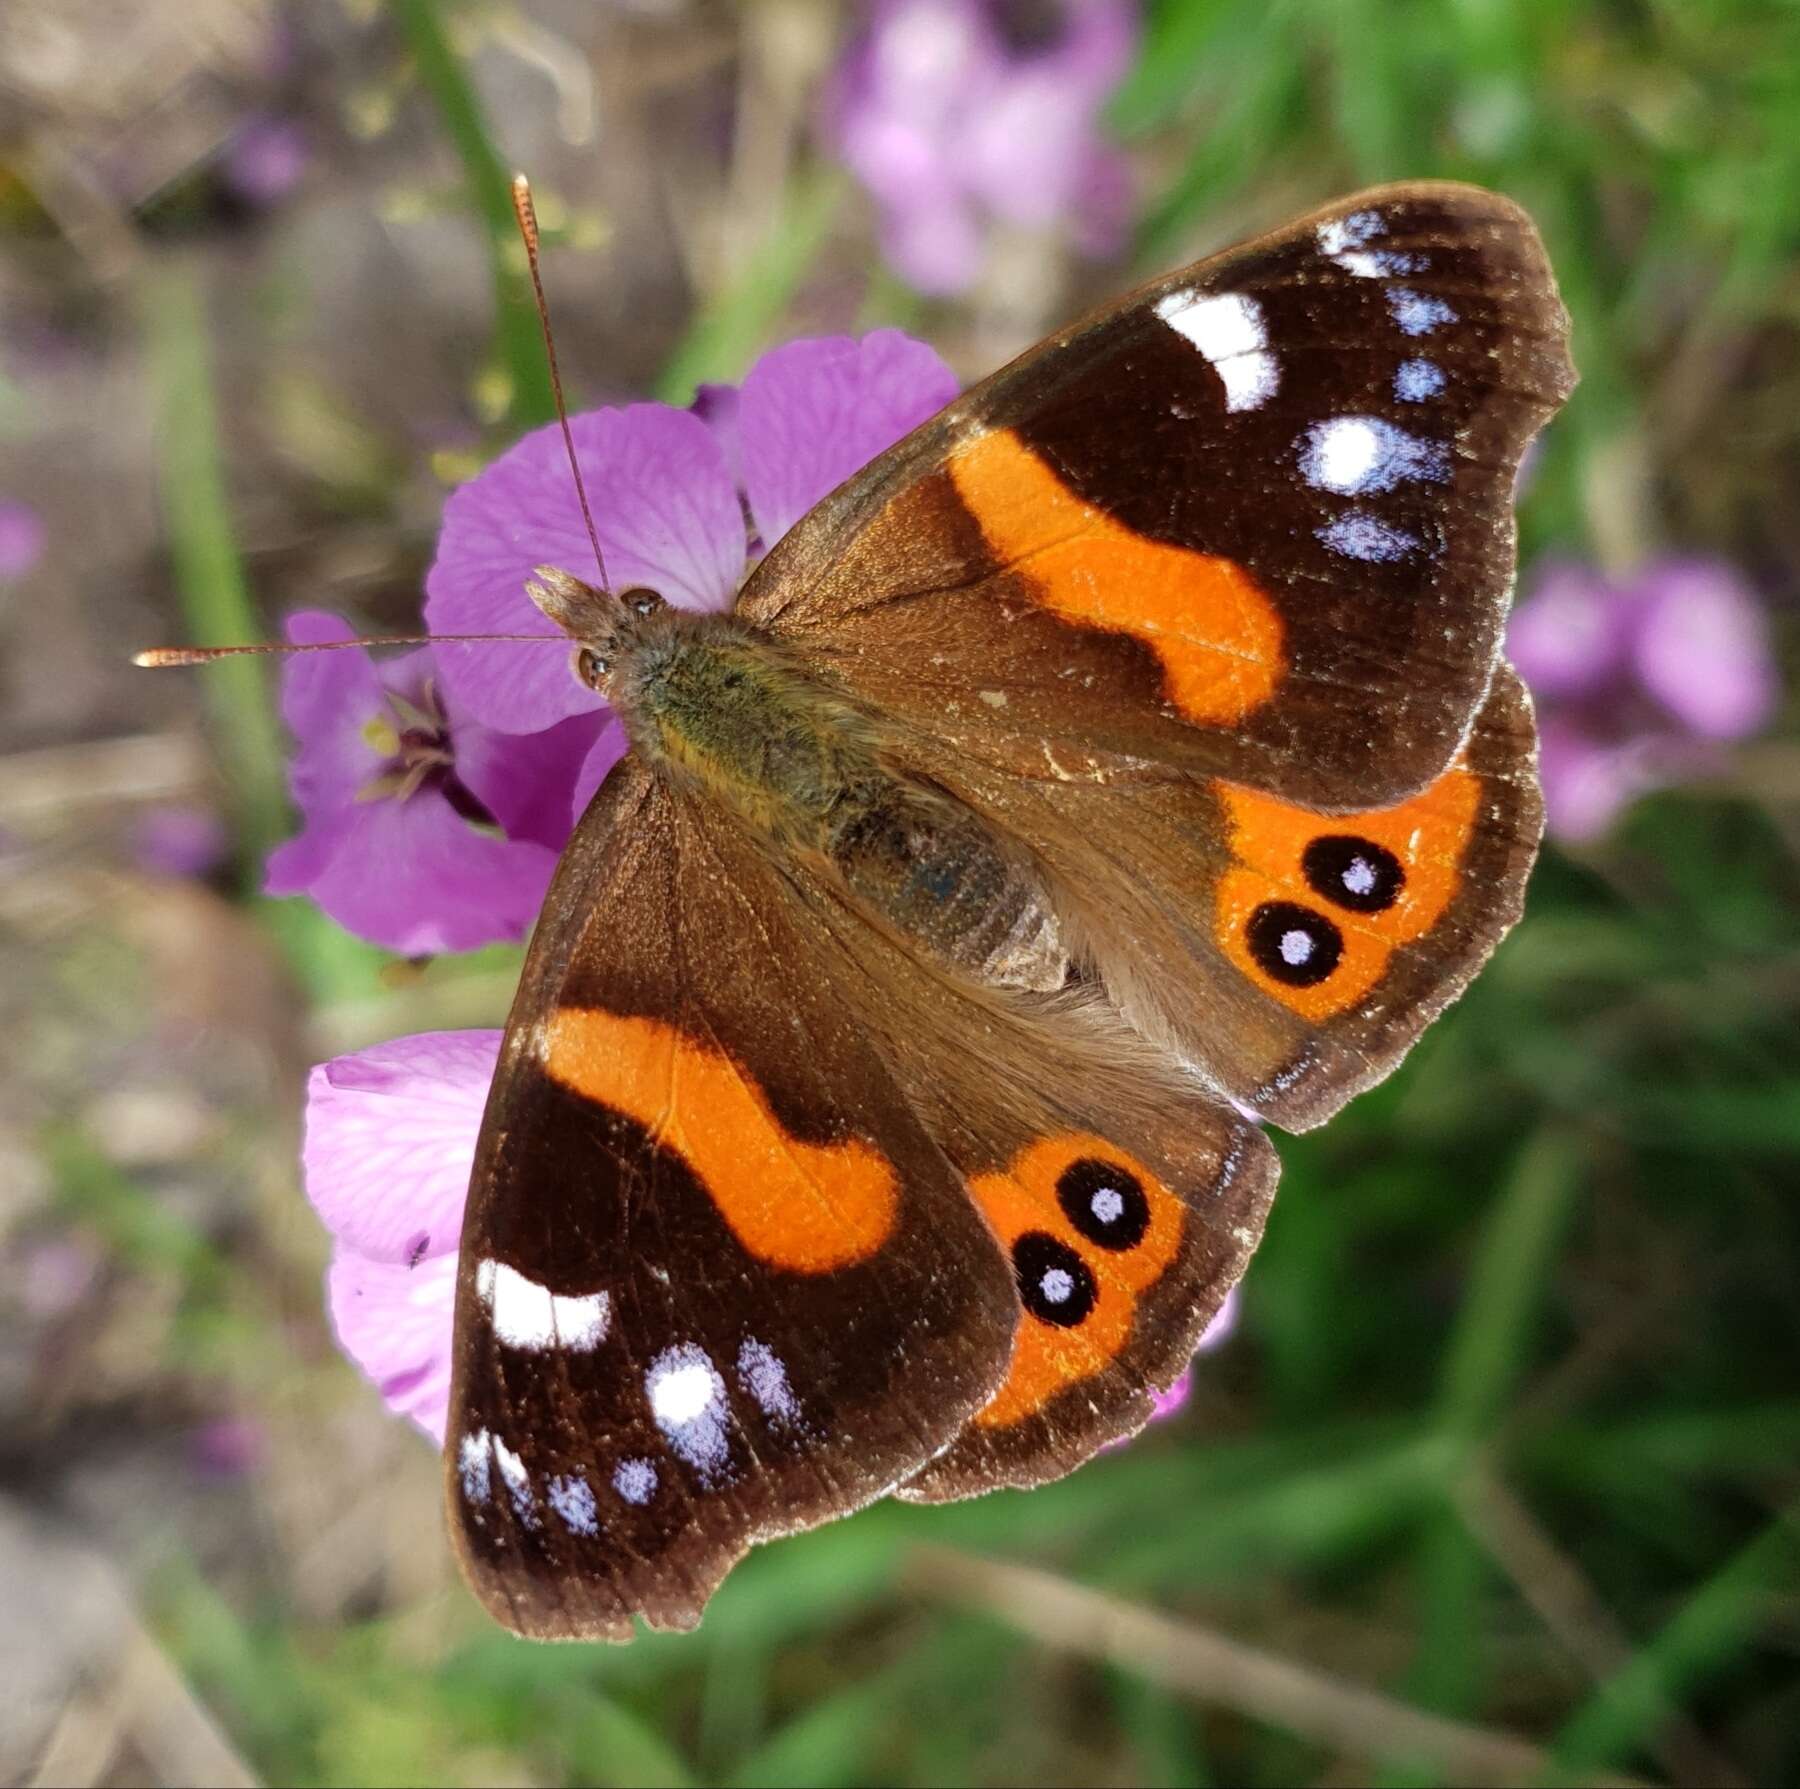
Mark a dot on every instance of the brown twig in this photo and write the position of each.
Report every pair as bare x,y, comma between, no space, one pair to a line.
1215,1669
1561,1596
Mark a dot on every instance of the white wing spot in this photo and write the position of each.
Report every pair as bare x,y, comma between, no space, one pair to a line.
1296,947
529,1316
1417,380
518,1481
1417,313
1057,1285
1228,330
1355,454
1108,1204
635,1481
765,1378
1345,240
1359,535
573,1499
472,1460
1359,876
687,1399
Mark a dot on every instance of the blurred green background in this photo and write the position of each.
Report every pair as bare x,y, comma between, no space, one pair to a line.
1509,1435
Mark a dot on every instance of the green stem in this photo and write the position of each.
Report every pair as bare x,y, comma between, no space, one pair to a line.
209,576
1493,1336
739,320
518,342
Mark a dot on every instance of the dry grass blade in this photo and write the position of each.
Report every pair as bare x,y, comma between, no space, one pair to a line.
1225,1673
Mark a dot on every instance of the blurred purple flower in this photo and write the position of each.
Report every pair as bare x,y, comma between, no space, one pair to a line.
22,537
178,841
424,830
670,489
266,160
1638,682
227,1447
52,1275
957,114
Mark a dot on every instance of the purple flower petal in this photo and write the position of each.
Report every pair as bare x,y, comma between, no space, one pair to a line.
717,407
527,780
228,1447
390,1141
938,248
1703,648
1224,1323
609,748
1588,781
667,514
815,412
1166,1403
395,1322
950,116
414,877
1030,148
178,841
22,537
266,160
1572,633
328,700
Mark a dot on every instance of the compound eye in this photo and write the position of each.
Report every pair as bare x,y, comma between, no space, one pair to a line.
591,667
641,601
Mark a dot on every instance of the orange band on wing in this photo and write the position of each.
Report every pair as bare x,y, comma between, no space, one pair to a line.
1427,836
1217,635
1023,1198
807,1207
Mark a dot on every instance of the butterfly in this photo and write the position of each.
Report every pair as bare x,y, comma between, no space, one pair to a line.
1122,760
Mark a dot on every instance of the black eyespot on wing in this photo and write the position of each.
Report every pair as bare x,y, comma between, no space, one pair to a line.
1354,873
1293,944
1105,1203
1055,1284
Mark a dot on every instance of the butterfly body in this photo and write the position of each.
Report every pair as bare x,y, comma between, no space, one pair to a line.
1123,758
717,708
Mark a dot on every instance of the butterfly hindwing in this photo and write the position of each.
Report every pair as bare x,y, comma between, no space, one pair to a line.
1216,526
1127,1197
717,1284
1293,956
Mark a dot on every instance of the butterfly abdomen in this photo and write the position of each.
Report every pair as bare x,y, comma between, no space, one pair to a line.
933,870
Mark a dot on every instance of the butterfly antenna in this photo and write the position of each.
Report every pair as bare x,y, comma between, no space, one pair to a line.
158,657
526,213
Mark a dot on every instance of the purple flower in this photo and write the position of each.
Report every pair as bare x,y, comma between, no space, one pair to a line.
228,1447
424,830
389,1146
1638,682
178,841
21,538
960,114
266,160
669,490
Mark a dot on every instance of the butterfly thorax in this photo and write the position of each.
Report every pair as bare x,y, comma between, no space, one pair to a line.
719,708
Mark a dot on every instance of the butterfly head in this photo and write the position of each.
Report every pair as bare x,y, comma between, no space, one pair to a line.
604,624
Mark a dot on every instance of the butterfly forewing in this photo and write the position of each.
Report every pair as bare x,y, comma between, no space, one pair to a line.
717,1283
1219,526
